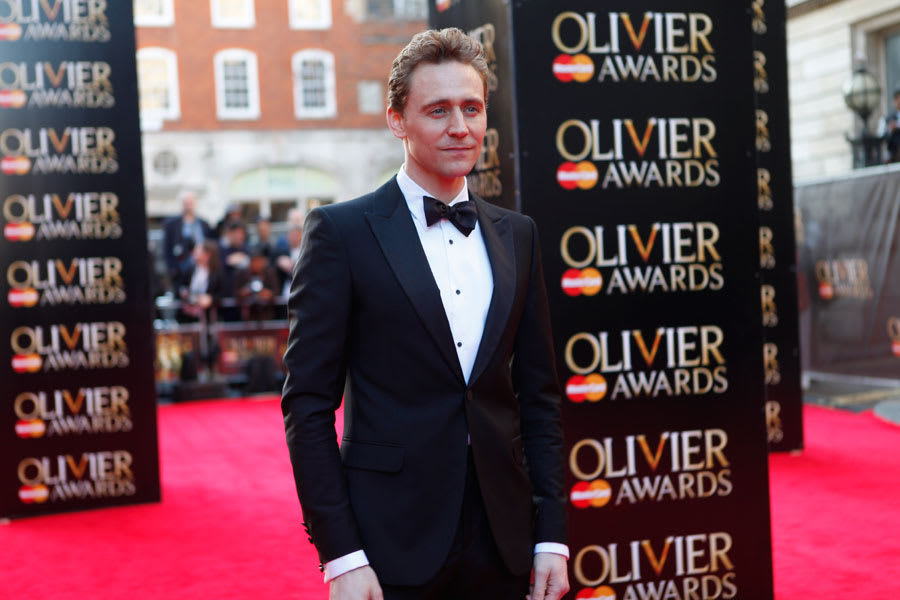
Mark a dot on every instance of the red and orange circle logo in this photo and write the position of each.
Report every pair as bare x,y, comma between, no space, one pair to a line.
583,175
582,282
26,298
604,592
591,494
15,165
18,232
591,388
12,98
579,67
10,32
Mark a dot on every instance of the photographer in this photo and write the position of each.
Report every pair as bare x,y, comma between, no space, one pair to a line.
256,287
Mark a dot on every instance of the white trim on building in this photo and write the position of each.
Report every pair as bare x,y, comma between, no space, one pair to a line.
154,13
237,85
158,86
232,14
314,84
309,14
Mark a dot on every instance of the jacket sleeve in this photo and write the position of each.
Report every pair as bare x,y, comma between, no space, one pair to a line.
316,364
537,388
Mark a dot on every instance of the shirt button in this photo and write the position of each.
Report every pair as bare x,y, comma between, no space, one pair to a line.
459,344
458,292
451,242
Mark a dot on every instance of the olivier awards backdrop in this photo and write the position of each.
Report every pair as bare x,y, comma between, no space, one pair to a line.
850,258
777,255
77,403
635,141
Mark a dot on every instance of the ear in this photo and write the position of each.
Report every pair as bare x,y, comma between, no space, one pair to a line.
396,123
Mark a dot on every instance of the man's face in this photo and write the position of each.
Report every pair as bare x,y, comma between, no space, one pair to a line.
263,229
897,101
189,204
443,123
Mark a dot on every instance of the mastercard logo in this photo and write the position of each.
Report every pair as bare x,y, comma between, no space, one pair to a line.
18,232
12,98
826,291
573,68
10,32
30,494
583,175
30,429
442,5
584,282
26,298
591,388
27,363
594,494
15,165
895,347
603,592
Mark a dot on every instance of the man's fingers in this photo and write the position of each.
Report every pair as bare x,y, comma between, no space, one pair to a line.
541,576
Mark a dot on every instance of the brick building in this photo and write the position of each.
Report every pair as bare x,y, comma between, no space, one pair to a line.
826,38
271,104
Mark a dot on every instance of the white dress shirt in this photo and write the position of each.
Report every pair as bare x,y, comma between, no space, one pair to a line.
462,271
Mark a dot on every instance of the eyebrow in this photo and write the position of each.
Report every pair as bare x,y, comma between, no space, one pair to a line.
434,103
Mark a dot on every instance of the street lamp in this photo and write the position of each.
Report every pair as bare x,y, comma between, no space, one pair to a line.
862,94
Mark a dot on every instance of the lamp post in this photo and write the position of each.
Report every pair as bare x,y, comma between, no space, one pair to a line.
862,94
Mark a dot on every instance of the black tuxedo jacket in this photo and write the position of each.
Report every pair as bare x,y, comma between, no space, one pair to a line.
368,323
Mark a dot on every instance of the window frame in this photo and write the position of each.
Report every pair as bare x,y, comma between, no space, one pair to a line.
253,111
173,92
218,21
167,19
323,23
327,58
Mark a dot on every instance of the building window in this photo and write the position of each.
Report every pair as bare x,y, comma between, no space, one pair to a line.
237,84
165,163
314,84
154,13
408,10
157,70
370,97
310,14
235,14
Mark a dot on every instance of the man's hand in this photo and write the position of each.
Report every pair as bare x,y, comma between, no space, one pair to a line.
551,577
360,584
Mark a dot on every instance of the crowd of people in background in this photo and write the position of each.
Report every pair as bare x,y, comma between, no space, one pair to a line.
206,266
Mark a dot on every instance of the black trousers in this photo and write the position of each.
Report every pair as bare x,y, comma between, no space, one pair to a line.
474,569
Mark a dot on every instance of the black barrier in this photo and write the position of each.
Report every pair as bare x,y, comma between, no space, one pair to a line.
850,257
636,157
777,255
77,408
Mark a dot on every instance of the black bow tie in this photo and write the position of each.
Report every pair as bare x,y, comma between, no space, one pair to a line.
463,215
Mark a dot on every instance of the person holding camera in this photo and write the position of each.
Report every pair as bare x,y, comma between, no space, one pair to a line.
256,287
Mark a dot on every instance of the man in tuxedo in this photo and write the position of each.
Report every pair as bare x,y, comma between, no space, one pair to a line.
425,307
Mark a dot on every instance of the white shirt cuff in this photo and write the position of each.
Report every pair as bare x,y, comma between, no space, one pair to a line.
348,562
552,548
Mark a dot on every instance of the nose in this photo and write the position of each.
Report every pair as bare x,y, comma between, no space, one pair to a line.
457,125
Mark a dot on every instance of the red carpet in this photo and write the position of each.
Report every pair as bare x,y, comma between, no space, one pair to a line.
229,524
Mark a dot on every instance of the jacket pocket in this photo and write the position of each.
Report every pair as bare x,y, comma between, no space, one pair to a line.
372,457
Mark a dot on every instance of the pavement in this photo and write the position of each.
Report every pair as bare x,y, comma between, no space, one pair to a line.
882,398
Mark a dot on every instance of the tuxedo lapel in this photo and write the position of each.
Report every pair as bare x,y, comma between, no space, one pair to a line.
498,239
395,231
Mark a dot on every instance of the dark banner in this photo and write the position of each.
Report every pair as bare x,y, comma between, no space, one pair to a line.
78,406
777,254
850,257
636,158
